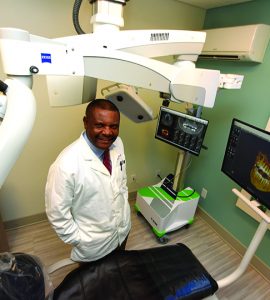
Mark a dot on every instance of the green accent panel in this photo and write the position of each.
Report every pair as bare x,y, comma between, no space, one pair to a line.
250,104
157,192
158,233
154,192
184,195
191,221
255,12
136,207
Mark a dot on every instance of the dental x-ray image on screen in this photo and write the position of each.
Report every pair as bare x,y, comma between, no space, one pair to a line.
181,130
247,160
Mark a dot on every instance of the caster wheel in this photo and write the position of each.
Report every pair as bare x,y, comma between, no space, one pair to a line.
187,226
139,214
163,240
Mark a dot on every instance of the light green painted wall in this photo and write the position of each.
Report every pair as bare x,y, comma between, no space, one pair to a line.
22,194
250,104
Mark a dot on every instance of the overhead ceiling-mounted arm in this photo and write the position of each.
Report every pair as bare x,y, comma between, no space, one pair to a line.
106,14
87,56
75,63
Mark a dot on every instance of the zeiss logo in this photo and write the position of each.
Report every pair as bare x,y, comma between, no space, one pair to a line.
46,58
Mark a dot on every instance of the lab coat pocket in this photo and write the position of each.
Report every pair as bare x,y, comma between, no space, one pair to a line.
89,250
121,175
85,250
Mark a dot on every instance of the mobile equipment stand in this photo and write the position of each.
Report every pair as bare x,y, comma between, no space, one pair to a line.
164,211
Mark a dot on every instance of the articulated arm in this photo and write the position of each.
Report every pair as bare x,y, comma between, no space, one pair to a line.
75,63
91,56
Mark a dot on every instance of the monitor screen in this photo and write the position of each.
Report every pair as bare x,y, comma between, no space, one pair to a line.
247,160
181,130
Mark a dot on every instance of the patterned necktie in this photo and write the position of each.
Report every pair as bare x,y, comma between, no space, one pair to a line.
107,160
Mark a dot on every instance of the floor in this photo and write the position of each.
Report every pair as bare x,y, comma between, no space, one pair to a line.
218,258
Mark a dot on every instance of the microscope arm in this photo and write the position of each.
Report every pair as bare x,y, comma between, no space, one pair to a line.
184,83
70,64
77,57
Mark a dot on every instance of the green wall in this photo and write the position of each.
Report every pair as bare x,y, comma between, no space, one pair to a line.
251,104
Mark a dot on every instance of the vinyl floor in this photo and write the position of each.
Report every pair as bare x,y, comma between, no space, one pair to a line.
218,257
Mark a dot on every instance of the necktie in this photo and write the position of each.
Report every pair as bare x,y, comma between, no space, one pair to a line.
107,160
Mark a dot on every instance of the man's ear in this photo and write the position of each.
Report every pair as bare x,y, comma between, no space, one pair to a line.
84,121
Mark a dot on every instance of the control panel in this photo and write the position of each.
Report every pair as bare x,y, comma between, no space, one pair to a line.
181,130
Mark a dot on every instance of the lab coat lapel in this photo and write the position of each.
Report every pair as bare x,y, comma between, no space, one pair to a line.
97,165
91,159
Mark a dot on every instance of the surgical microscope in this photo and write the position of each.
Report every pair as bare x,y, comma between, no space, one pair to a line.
73,64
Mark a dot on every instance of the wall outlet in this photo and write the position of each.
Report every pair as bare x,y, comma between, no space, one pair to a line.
204,193
157,173
133,178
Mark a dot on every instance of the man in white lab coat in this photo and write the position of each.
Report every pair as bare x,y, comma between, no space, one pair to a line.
85,203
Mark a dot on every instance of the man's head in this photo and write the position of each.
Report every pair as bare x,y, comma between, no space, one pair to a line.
101,123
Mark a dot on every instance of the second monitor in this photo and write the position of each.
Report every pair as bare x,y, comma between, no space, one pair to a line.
181,130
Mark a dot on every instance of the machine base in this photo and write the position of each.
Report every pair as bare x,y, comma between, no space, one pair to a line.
164,213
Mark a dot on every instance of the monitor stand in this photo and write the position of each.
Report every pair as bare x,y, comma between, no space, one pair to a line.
255,242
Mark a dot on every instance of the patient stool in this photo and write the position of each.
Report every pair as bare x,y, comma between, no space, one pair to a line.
167,272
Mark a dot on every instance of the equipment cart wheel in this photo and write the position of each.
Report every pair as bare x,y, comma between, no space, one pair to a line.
163,239
138,213
187,226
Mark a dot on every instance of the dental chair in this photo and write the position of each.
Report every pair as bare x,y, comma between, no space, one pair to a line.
168,272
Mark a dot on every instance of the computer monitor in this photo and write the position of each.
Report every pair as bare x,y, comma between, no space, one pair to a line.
181,130
247,160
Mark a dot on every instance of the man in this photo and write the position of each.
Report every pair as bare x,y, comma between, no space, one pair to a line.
86,205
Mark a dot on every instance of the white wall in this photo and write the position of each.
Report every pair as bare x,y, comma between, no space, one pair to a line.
22,194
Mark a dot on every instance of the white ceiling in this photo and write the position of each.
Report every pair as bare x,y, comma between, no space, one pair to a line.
211,3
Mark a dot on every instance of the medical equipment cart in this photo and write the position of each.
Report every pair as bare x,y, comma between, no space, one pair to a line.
163,212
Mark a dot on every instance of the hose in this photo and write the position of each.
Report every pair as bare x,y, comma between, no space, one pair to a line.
75,16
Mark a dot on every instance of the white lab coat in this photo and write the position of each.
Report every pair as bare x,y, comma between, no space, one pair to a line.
87,206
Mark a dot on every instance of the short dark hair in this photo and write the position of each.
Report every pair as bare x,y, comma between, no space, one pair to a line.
101,103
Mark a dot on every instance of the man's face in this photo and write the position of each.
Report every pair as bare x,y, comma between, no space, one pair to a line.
102,127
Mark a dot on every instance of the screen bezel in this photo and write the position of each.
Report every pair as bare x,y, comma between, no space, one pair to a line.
250,128
180,114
